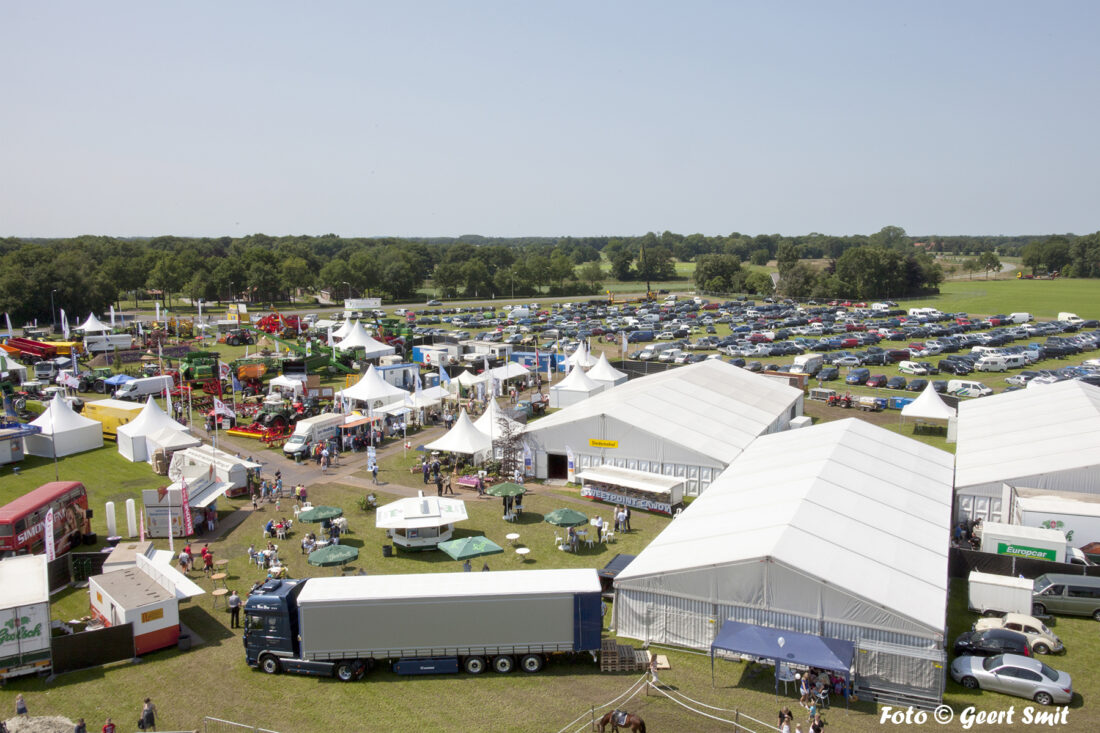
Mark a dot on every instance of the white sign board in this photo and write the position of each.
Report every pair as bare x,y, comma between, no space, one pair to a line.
358,304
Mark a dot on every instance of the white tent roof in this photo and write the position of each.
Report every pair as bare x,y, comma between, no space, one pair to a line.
862,509
93,324
1029,433
342,331
581,357
509,370
604,372
170,439
489,423
928,406
288,383
8,364
420,511
578,381
372,388
466,378
358,338
712,408
463,437
150,420
63,432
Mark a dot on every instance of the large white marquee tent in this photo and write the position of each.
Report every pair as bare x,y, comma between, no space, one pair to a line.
688,422
850,541
63,431
133,437
1043,437
374,391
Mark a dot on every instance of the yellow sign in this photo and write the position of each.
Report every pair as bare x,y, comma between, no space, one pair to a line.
597,443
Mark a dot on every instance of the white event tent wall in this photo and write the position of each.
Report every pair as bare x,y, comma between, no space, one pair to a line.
63,432
132,437
849,541
1043,437
575,387
605,373
688,422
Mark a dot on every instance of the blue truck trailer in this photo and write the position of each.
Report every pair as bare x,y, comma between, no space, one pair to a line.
425,623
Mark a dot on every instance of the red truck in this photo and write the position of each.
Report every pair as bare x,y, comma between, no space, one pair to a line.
32,351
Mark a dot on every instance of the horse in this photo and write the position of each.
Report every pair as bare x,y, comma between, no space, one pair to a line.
621,718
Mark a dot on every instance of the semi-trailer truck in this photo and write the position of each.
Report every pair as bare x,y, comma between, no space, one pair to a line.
342,626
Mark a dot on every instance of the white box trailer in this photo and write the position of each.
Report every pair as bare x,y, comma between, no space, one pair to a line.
1080,520
990,593
24,616
1019,541
107,342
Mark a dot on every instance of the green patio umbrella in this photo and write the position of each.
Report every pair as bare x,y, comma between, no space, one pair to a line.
333,555
469,547
506,489
320,514
565,518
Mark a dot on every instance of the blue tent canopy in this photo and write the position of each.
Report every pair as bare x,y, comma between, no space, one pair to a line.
118,379
785,647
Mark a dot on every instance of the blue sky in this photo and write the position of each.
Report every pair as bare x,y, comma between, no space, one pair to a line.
551,118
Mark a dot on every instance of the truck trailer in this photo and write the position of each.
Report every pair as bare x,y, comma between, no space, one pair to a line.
1019,541
425,623
24,616
112,413
1080,520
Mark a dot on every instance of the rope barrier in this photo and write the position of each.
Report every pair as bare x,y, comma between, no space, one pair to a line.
697,712
632,695
670,693
640,680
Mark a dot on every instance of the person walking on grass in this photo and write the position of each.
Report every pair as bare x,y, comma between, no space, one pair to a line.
148,715
20,705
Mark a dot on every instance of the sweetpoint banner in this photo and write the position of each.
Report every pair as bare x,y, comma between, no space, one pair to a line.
634,502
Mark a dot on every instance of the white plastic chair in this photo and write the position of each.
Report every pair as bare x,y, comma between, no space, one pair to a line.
609,536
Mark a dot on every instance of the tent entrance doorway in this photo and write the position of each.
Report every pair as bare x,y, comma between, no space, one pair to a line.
557,465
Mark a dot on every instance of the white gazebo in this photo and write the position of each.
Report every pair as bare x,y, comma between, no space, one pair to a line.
373,390
495,423
342,331
606,374
93,325
133,436
12,368
463,438
581,357
357,339
421,522
63,432
928,406
576,387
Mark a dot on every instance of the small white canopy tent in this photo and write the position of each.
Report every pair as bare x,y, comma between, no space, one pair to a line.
467,378
342,331
132,443
495,423
463,438
13,368
288,383
605,373
928,406
576,387
93,325
504,372
373,390
170,440
357,338
63,431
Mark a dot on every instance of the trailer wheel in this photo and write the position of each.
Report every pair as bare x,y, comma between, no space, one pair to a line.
269,664
474,665
346,671
531,663
503,664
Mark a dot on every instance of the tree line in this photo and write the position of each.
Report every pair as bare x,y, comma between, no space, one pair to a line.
88,273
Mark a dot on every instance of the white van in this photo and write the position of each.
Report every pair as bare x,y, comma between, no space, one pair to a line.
140,388
967,388
1071,318
1015,361
991,363
912,367
1019,317
311,431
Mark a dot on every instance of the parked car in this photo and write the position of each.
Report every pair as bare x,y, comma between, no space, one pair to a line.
858,376
895,383
1016,675
991,642
916,385
828,373
940,385
1041,639
876,380
847,361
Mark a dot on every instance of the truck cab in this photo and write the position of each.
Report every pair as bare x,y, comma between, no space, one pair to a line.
270,626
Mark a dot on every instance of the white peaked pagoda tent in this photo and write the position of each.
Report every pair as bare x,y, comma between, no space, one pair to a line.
605,373
358,338
467,378
463,438
581,357
132,437
13,368
63,431
373,390
928,406
491,422
576,387
170,440
343,331
93,325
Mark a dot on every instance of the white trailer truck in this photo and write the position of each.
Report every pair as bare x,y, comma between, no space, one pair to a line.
426,623
311,431
1080,520
990,594
24,616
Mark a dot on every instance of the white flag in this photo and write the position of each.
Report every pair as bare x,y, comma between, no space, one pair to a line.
168,400
571,466
7,319
220,408
64,324
157,304
112,316
223,370
141,331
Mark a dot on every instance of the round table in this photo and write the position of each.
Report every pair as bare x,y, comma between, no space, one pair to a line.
512,537
221,564
522,552
219,577
217,594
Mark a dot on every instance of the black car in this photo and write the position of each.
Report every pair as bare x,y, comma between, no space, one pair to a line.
828,373
916,385
895,383
992,642
953,366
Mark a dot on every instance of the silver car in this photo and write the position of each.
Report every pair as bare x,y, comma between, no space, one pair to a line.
1014,674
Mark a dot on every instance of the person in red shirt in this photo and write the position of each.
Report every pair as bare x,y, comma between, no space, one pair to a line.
207,562
108,727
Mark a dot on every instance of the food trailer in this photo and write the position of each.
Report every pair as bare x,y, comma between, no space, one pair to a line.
650,492
420,523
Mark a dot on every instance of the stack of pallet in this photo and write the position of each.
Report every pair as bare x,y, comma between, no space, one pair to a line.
615,657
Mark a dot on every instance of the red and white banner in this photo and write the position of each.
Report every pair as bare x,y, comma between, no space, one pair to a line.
68,380
223,370
220,408
51,551
185,499
141,526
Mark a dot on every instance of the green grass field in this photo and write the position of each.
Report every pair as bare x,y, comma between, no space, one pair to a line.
1043,299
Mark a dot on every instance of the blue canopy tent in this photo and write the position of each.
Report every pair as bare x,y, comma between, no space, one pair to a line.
785,647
